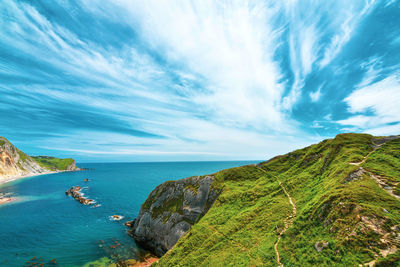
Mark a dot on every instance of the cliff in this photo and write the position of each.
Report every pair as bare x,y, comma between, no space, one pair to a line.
14,163
335,203
56,164
170,210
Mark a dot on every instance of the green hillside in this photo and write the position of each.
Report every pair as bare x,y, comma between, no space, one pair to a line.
52,163
338,196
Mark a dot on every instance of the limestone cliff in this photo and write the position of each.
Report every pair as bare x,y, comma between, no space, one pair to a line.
15,163
170,210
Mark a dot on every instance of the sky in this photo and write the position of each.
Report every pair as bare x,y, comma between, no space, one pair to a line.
128,80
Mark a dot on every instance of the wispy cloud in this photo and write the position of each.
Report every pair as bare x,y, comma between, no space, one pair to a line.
315,96
223,79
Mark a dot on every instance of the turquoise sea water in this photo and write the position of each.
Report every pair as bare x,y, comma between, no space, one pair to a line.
46,224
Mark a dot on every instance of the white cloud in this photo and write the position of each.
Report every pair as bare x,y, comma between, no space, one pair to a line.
231,44
316,125
315,96
220,86
348,21
382,100
328,117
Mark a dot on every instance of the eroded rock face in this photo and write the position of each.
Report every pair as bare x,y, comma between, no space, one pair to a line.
14,162
170,210
319,246
72,167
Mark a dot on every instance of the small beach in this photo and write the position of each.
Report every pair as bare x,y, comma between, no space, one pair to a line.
4,180
4,200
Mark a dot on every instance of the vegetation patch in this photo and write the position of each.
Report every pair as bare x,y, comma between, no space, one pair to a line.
52,163
24,157
193,187
171,205
353,217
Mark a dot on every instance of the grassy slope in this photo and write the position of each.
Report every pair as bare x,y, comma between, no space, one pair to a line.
52,163
242,226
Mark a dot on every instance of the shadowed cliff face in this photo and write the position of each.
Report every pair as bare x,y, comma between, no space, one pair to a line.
170,211
15,163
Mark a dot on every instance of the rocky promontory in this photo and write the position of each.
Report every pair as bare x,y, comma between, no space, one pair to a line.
16,164
170,210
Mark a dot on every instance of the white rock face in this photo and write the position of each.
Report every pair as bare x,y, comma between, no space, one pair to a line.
14,162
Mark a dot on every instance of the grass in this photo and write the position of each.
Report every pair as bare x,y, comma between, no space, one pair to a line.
22,156
241,227
52,163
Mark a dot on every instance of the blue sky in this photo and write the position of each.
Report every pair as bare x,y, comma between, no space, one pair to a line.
162,80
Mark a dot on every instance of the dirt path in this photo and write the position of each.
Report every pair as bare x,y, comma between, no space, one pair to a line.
288,221
365,157
378,179
382,184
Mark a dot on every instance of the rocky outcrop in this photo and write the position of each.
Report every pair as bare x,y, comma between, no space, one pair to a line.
55,164
381,140
170,210
72,167
14,162
76,193
319,246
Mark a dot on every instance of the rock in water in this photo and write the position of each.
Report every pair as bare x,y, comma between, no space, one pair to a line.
170,210
76,193
116,217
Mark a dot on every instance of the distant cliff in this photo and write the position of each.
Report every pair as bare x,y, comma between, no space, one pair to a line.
56,164
14,163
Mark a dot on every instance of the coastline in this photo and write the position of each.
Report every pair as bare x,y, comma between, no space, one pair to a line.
8,199
18,177
5,200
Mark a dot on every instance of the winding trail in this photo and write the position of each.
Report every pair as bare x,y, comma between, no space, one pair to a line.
366,156
288,221
378,179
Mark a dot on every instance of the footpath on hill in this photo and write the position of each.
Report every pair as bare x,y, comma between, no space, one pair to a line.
287,222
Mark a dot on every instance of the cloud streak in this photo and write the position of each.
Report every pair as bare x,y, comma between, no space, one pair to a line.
223,79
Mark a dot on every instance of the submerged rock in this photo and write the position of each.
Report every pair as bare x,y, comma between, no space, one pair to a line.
170,210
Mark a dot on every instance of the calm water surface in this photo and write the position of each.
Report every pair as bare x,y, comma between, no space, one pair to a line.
47,224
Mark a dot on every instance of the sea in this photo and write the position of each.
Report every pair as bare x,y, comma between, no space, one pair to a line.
45,226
